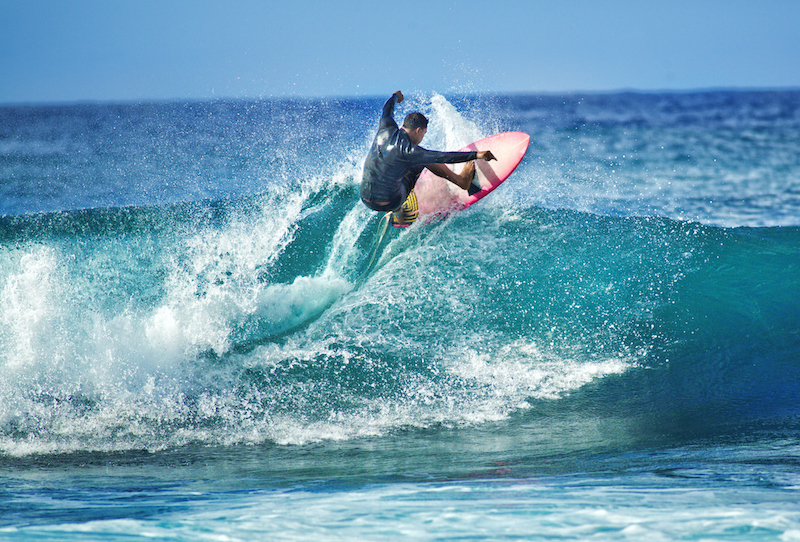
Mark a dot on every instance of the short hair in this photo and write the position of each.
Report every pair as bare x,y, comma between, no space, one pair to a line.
415,120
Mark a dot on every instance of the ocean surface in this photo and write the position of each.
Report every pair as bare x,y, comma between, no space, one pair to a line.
607,348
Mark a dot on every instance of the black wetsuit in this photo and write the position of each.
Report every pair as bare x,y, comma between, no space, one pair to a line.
394,163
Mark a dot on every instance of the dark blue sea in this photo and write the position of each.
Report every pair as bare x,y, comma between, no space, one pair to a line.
606,348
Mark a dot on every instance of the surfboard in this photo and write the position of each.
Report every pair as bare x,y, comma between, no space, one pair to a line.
436,196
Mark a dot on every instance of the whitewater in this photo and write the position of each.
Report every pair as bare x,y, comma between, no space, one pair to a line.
607,347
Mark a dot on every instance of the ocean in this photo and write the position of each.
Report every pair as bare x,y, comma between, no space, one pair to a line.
606,348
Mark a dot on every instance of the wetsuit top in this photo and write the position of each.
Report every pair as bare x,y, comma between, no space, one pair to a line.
392,156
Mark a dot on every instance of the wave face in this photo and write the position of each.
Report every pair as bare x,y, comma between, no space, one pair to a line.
246,318
158,328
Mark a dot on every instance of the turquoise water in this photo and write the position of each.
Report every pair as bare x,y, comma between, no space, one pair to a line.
606,348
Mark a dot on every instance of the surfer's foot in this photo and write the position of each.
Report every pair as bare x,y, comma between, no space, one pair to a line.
467,175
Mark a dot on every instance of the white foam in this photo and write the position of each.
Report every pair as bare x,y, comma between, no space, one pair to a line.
29,308
448,129
84,369
523,369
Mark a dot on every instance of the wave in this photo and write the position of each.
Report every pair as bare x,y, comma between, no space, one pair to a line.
240,322
245,320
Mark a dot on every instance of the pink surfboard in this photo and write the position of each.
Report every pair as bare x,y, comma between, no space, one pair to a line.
436,195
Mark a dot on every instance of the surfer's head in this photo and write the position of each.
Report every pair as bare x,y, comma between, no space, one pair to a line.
415,120
416,126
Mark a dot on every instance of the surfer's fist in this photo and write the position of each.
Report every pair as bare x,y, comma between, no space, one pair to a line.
400,97
486,155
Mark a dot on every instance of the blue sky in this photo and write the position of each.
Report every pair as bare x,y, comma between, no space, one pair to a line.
141,50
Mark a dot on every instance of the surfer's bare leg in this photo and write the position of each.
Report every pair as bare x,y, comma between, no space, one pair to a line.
461,180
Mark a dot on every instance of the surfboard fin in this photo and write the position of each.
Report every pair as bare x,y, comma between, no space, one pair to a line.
474,188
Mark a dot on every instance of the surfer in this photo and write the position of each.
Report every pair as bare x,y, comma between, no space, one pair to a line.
395,161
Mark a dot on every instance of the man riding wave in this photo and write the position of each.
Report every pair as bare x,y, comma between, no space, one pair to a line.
395,161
